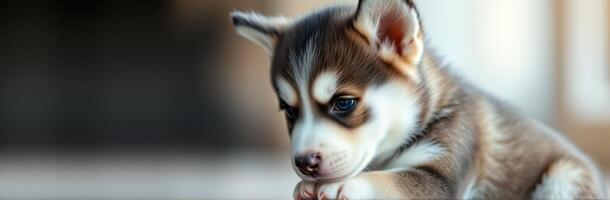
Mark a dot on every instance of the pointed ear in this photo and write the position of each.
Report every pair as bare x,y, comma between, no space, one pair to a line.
259,29
393,29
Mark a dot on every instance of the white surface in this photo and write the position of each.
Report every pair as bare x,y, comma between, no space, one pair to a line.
251,175
146,176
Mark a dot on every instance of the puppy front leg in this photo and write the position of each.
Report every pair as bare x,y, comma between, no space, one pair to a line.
408,184
367,185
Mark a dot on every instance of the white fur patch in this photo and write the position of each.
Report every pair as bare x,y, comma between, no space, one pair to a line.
418,154
303,130
324,87
561,182
561,139
287,92
387,51
471,191
395,110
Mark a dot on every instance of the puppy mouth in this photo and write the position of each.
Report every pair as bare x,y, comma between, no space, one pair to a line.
355,171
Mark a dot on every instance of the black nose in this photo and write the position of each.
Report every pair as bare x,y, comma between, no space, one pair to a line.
308,164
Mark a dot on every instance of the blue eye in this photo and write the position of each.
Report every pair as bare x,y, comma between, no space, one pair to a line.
344,104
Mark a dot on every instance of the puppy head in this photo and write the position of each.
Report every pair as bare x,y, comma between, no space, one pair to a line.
347,80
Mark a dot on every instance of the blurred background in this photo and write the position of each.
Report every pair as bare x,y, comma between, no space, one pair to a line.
162,100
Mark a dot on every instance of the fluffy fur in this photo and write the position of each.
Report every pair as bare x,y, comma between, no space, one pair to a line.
415,131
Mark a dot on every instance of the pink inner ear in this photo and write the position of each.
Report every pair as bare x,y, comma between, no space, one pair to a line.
392,28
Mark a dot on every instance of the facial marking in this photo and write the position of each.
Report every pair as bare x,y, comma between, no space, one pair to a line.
287,92
303,129
302,64
324,87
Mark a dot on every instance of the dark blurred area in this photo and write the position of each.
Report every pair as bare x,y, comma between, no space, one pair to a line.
83,74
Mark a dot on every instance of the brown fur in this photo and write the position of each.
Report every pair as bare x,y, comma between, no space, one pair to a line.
504,154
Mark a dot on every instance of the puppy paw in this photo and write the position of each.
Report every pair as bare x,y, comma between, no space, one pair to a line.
347,190
368,185
305,191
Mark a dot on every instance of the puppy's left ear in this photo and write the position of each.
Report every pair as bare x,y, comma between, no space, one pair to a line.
392,27
259,29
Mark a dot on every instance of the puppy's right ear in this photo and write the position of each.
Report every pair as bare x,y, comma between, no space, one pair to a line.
259,29
393,29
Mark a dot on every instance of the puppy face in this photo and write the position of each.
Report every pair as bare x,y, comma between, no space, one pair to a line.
346,80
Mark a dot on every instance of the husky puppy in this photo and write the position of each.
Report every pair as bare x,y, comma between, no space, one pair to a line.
373,114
